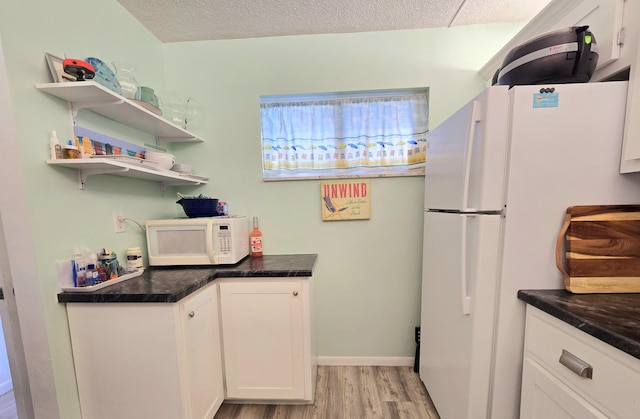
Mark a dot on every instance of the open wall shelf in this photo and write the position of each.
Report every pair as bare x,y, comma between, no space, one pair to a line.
93,96
89,167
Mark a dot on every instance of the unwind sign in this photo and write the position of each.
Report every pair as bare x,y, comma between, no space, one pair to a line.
345,200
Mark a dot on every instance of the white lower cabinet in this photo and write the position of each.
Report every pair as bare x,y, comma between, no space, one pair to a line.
148,360
546,397
268,339
570,374
202,349
164,360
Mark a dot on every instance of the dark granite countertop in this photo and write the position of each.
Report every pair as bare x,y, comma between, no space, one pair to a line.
612,318
171,284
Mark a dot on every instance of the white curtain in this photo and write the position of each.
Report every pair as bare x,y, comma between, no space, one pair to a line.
345,134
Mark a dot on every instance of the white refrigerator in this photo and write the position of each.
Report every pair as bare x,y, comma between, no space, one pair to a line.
500,175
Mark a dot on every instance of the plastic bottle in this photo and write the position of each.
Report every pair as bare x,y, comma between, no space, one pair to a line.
102,275
92,275
256,240
54,146
80,268
81,278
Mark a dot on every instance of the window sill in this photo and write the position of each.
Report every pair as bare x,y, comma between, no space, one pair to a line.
363,173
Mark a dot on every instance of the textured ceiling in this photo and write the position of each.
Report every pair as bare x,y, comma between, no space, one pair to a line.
192,20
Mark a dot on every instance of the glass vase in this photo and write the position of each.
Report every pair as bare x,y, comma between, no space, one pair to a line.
125,73
178,108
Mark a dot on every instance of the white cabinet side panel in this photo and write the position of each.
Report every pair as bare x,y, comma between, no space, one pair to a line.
112,360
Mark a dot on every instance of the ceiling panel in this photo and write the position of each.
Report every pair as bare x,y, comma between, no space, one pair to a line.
191,20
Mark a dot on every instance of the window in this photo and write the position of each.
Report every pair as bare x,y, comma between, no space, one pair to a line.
332,135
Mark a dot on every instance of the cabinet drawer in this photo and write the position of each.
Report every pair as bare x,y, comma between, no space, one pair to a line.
545,396
614,386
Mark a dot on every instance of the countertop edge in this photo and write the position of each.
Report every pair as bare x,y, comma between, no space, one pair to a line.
601,333
247,268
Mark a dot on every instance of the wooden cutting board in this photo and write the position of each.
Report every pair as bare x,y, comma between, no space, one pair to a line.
602,249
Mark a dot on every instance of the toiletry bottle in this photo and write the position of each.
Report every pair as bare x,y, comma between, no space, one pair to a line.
81,277
102,275
256,240
92,275
54,146
80,271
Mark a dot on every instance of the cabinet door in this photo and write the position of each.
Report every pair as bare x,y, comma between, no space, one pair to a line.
263,335
544,397
630,161
201,339
604,18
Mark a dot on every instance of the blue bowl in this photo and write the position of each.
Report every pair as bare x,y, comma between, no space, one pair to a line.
199,207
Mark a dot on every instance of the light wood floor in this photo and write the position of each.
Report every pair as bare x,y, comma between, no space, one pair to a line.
351,393
8,406
341,393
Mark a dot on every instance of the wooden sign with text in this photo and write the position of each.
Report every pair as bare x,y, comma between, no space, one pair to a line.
345,200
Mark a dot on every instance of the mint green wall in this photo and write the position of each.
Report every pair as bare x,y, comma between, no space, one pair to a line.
368,274
60,214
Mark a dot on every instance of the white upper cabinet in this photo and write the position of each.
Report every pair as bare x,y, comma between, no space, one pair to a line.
614,24
630,161
604,18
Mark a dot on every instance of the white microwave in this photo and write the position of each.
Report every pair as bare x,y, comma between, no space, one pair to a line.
197,241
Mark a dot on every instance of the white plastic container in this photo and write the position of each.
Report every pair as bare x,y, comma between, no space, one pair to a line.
54,146
134,257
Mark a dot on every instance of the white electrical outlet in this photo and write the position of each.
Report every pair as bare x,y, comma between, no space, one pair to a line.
118,222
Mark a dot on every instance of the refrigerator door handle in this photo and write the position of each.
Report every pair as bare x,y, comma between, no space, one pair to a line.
467,166
466,300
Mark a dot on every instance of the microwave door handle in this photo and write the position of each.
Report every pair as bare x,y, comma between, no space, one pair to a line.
213,257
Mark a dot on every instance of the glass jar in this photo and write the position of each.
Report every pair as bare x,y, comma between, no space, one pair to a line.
110,265
125,73
71,152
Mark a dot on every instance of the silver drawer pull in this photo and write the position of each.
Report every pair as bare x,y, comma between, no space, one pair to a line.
575,364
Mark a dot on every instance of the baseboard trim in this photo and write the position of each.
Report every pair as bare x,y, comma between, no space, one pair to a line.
367,361
6,386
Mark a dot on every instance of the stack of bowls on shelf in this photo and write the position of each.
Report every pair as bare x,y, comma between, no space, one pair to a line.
165,160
